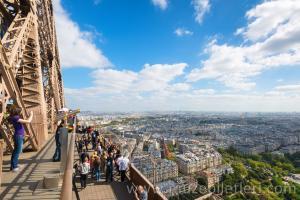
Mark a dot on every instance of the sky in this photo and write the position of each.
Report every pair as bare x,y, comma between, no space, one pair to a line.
180,55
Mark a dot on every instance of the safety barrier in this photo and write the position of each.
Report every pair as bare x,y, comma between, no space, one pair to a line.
66,191
137,178
1,158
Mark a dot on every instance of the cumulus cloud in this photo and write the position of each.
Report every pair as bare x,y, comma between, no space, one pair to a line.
286,90
289,88
277,44
204,92
270,16
162,4
111,80
158,88
182,32
188,101
201,7
179,87
76,46
150,78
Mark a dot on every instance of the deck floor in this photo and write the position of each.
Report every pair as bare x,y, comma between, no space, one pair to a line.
103,190
27,183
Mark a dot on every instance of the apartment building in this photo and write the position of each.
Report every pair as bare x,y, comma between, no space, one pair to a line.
189,163
156,170
178,186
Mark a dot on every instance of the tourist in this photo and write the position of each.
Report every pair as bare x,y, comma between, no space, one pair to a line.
118,158
94,139
89,130
97,133
18,137
109,167
97,165
84,171
103,161
99,149
93,159
142,193
80,145
57,154
86,142
84,155
123,166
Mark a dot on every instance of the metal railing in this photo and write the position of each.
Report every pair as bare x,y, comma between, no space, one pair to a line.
137,178
67,191
1,158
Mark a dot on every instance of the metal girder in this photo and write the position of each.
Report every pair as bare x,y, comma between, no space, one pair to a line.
14,93
30,68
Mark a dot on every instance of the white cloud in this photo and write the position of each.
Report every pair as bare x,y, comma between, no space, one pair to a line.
182,32
234,66
157,88
179,87
189,101
76,46
150,78
285,91
201,7
293,90
268,17
204,92
162,4
113,81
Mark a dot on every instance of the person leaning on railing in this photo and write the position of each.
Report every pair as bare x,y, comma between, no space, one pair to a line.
19,133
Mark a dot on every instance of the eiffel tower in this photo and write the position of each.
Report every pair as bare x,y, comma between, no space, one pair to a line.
30,72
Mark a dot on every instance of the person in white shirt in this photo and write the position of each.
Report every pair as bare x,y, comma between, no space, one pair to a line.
118,164
84,171
123,166
99,149
118,160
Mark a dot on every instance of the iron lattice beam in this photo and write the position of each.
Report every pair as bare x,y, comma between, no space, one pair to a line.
29,68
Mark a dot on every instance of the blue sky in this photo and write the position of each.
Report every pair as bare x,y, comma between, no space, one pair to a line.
206,55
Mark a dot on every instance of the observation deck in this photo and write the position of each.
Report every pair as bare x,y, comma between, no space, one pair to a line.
29,182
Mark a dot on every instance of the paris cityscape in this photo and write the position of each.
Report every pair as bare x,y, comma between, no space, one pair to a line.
177,151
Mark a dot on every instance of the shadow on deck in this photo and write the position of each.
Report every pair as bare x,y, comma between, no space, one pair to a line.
25,184
105,191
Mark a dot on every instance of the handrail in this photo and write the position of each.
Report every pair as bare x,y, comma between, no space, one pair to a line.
137,178
66,191
1,159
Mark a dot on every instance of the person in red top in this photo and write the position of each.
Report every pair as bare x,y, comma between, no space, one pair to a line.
89,130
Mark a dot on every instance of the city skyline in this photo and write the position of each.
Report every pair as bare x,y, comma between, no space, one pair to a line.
166,55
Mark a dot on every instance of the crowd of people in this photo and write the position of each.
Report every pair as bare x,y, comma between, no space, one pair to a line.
106,157
99,156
